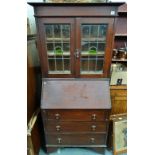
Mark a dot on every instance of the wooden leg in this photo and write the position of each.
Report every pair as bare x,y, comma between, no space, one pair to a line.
100,150
51,149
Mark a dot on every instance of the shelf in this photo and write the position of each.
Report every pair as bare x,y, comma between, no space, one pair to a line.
119,60
120,35
118,87
123,9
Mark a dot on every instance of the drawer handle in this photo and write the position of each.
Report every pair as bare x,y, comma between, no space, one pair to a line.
93,116
92,140
57,116
93,127
59,140
107,119
58,127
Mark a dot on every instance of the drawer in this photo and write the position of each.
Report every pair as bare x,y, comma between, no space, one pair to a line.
76,139
51,126
76,115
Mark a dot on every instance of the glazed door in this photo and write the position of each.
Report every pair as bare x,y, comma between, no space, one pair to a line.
93,46
56,46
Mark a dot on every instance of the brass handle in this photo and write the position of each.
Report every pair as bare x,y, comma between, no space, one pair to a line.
92,140
57,116
58,127
93,127
59,140
77,53
93,116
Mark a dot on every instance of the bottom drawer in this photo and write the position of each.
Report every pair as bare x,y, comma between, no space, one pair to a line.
76,139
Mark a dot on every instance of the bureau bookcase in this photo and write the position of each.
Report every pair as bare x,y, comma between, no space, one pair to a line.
75,43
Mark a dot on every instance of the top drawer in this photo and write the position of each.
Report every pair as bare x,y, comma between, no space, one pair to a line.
76,115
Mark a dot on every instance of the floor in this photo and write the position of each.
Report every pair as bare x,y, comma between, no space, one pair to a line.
76,151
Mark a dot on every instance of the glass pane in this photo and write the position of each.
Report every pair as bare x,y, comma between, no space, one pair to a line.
85,31
99,65
58,48
94,30
66,47
66,64
49,31
57,31
84,65
65,31
101,47
102,31
92,64
93,44
52,64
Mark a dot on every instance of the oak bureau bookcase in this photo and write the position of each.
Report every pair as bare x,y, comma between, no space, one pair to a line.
75,43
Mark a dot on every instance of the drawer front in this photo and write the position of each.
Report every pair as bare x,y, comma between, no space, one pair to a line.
76,115
60,127
76,139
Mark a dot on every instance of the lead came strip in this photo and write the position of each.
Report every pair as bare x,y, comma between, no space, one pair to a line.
62,47
97,48
54,48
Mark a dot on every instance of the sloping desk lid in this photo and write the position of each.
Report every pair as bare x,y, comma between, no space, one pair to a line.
75,94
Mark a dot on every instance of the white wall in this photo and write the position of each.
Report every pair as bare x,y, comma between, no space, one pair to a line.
30,15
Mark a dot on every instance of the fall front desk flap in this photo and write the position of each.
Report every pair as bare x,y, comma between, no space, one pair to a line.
75,94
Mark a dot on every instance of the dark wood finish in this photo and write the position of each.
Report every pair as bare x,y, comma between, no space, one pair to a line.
121,26
75,139
75,128
72,9
67,127
32,73
123,8
70,123
75,94
75,14
33,96
76,115
119,41
75,102
109,40
75,11
42,44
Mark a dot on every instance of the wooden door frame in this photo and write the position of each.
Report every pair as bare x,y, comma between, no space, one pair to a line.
42,44
109,44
